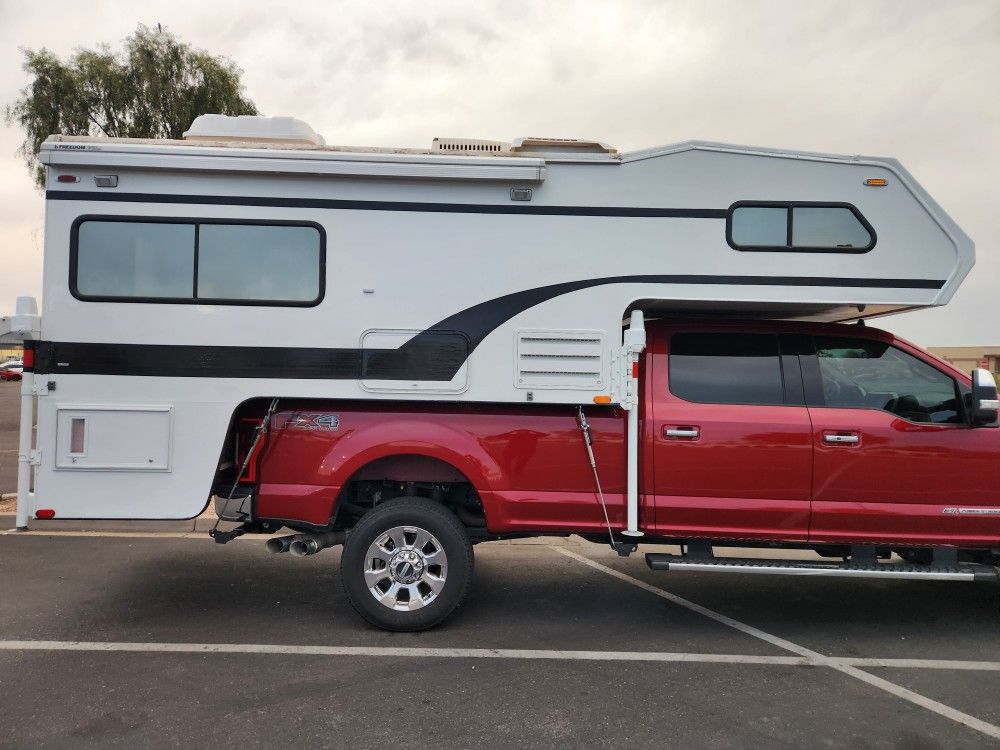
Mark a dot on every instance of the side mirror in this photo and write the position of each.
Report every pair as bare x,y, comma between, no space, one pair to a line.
983,404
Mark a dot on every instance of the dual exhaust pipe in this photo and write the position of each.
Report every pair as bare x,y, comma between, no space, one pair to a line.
301,545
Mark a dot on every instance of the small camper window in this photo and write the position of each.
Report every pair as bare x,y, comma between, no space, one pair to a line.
134,259
828,226
196,261
759,226
798,227
252,261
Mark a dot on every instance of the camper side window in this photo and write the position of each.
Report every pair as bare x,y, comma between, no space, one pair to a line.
134,259
250,261
196,261
798,227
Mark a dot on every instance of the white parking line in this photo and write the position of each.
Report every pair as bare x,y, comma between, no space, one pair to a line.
491,653
868,663
814,657
432,653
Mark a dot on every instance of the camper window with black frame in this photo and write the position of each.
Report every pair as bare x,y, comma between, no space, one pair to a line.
798,227
197,261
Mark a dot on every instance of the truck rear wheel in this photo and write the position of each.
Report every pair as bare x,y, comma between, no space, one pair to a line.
407,564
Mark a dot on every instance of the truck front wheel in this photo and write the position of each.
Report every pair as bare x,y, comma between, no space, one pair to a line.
407,564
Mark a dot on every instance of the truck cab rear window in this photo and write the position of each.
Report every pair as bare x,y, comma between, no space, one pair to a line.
801,227
196,262
726,368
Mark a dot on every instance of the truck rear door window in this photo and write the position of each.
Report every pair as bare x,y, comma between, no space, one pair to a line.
864,374
726,368
197,261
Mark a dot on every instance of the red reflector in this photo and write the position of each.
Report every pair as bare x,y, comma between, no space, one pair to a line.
45,513
67,178
28,358
635,369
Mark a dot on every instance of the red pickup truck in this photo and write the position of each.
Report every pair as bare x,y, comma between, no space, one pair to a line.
842,439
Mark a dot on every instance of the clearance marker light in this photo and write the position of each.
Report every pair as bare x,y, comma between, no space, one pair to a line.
602,399
67,178
876,182
45,513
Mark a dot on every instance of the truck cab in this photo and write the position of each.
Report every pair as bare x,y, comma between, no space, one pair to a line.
827,434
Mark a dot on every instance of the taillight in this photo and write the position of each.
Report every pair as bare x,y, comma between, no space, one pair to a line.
45,513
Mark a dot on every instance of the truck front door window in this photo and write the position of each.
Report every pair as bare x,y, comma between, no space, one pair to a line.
858,374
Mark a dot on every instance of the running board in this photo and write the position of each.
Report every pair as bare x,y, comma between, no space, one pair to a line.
660,561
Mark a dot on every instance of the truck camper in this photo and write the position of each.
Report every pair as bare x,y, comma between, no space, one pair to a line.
408,352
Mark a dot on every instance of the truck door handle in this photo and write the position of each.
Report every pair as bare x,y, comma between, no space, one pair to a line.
682,433
841,438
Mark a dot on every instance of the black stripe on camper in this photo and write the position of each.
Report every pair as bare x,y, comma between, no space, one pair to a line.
435,354
356,205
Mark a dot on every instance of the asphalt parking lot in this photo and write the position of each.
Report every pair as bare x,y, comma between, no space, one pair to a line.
125,641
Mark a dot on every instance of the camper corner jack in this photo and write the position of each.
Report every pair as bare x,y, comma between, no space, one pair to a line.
633,343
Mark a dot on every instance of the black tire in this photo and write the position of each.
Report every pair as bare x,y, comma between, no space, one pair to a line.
446,530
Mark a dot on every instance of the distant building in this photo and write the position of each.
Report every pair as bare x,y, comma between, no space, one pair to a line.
967,358
10,351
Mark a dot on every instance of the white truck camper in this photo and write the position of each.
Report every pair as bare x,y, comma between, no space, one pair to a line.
251,261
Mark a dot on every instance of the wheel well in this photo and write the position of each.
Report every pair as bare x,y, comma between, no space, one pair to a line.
409,475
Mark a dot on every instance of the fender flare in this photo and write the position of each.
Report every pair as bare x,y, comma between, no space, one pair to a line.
419,438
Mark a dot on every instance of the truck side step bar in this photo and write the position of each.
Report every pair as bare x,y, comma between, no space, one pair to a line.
660,561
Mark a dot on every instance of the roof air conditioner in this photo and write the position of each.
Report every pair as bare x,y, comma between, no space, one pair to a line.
253,129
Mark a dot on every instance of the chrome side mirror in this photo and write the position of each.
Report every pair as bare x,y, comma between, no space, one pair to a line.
983,404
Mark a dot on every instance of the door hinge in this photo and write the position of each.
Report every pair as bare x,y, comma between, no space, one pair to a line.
35,457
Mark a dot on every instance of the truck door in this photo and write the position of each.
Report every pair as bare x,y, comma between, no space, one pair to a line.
730,436
895,459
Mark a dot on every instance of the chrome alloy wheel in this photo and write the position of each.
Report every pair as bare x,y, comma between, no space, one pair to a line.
405,568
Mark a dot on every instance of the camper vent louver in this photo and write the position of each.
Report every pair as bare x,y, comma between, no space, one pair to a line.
560,359
470,146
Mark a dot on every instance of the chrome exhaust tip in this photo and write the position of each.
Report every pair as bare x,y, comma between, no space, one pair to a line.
280,544
309,544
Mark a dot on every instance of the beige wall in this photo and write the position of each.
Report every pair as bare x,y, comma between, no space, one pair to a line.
967,358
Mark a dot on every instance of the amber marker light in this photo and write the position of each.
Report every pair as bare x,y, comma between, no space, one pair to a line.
602,399
876,182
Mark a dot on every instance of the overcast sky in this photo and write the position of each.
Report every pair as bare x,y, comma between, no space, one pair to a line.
911,79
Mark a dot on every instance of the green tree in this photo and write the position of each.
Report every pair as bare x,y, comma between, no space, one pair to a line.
153,88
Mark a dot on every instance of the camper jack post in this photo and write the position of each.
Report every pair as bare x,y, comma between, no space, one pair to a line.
634,341
24,326
24,449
